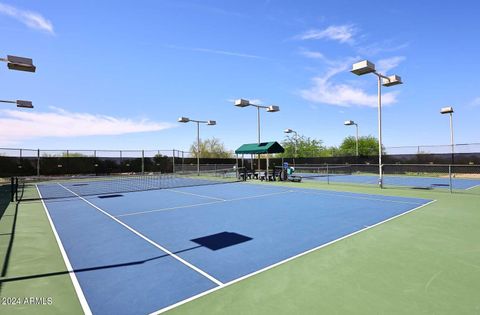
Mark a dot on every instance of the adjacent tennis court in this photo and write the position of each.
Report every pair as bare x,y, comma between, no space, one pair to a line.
425,182
415,176
149,250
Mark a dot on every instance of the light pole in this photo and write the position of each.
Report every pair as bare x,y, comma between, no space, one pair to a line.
209,123
364,67
449,110
288,130
350,123
19,64
270,109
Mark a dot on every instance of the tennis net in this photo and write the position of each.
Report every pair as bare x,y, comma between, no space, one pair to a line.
322,171
37,188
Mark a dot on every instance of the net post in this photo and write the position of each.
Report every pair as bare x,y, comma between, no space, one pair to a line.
450,177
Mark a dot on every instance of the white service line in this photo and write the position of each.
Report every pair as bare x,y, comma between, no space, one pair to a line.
284,261
473,187
356,197
71,272
170,208
192,194
186,263
202,204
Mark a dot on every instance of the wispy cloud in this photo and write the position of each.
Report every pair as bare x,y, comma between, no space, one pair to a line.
340,33
64,124
312,54
31,19
215,51
325,91
475,102
385,65
386,46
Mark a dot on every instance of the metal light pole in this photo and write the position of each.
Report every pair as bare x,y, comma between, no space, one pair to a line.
364,67
209,123
270,109
449,110
288,130
350,123
19,64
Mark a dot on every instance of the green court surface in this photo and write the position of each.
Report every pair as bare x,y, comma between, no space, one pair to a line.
425,262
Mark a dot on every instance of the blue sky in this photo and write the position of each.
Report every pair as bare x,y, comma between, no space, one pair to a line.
117,75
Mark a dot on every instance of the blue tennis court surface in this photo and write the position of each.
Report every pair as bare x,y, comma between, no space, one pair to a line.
409,181
141,252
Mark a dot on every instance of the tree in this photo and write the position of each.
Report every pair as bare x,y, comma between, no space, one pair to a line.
306,147
366,146
211,148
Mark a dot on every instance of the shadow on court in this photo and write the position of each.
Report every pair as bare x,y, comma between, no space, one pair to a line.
8,223
213,242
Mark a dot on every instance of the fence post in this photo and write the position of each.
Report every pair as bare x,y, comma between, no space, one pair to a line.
143,162
450,176
12,189
173,161
183,161
38,162
328,175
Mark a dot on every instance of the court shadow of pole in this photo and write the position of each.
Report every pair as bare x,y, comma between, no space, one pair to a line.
4,203
63,272
212,242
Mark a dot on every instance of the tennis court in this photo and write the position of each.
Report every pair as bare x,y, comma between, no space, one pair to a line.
406,181
150,250
415,176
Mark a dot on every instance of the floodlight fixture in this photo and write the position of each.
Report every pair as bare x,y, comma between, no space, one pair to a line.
20,63
211,122
363,67
446,110
183,119
288,130
392,80
273,109
24,104
349,123
19,103
242,103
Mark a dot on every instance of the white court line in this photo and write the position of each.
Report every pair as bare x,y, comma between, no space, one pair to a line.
170,208
71,272
473,187
198,195
356,197
186,263
201,204
284,261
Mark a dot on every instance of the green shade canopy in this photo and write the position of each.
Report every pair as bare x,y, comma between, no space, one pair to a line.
262,148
